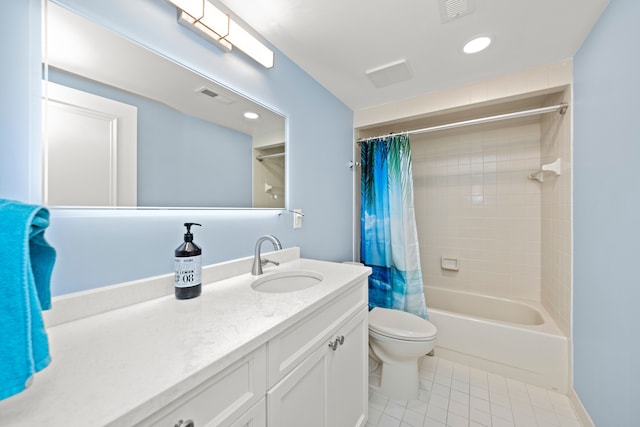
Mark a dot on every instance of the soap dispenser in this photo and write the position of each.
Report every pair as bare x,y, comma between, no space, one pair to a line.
188,267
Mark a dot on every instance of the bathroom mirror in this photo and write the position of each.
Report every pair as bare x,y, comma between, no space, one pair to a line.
127,127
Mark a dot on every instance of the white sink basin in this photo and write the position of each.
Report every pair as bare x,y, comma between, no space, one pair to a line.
286,281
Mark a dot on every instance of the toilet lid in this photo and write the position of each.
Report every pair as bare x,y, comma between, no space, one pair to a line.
400,324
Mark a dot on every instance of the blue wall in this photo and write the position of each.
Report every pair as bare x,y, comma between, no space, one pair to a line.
182,160
97,248
607,218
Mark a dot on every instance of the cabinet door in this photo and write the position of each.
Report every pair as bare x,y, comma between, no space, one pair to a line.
291,347
300,398
348,374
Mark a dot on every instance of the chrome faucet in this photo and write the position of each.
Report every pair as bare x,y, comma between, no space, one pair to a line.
258,262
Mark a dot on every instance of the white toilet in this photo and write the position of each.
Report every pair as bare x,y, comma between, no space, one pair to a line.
398,339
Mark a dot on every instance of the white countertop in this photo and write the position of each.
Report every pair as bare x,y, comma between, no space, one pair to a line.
120,366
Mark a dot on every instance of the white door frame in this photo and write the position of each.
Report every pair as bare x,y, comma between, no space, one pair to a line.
122,120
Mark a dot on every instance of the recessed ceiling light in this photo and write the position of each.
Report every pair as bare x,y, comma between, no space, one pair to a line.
477,44
251,115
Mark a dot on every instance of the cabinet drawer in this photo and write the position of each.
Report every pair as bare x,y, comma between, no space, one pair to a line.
220,400
254,417
290,348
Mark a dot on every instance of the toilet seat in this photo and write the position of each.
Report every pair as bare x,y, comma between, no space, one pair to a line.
400,325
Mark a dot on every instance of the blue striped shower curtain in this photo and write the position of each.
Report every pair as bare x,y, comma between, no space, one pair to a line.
389,237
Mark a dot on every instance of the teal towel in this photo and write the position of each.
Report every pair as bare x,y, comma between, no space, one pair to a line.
26,262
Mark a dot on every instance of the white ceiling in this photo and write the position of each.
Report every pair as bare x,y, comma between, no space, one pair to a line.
337,41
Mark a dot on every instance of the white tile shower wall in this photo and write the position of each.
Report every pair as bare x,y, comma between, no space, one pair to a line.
474,202
556,218
555,294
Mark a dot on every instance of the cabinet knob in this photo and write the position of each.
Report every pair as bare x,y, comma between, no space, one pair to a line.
340,339
187,423
333,344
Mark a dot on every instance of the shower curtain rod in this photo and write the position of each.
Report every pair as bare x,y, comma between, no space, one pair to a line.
269,156
560,107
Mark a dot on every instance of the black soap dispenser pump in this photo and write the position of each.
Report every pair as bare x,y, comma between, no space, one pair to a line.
188,267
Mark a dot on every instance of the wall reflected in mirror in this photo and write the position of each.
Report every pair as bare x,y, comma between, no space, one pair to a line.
128,127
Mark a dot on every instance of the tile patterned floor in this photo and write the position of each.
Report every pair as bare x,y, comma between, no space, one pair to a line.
452,394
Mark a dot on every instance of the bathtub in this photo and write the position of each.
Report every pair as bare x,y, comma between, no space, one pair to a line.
514,338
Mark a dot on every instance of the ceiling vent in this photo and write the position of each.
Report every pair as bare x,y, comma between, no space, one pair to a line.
390,74
453,9
214,95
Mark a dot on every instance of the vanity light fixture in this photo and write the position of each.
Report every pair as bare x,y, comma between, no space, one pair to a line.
251,115
206,20
203,31
251,46
477,44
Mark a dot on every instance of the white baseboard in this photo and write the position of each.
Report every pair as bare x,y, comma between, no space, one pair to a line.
579,409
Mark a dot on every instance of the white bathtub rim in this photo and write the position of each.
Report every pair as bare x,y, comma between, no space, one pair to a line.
548,326
547,329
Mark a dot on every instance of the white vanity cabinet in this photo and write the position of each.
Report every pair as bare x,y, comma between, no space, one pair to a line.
233,397
314,373
318,368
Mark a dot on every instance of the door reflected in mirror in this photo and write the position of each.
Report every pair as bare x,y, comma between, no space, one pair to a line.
129,127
